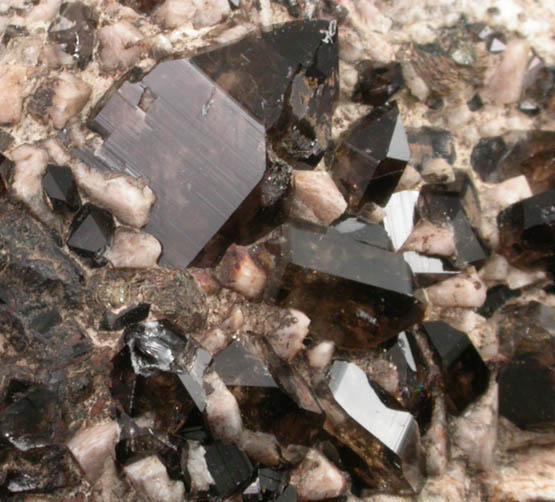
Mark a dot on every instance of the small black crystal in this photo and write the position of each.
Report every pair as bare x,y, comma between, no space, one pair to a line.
464,372
371,157
132,315
497,296
229,466
60,188
91,232
475,103
377,82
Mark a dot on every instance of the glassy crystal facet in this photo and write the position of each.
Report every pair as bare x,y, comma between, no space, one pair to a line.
355,294
371,157
464,372
60,188
91,232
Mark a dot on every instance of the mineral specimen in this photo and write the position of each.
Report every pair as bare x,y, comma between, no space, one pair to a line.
377,83
60,188
371,157
464,372
320,271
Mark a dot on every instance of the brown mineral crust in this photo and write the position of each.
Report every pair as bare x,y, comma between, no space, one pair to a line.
173,294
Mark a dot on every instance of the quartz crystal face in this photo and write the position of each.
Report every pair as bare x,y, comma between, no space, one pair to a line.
355,294
371,157
377,83
207,121
527,231
60,188
464,372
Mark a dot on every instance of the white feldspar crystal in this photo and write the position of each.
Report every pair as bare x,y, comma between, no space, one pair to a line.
261,447
175,13
150,478
92,445
222,410
70,96
120,45
130,200
463,290
201,479
287,339
12,77
409,179
450,487
238,271
505,85
435,440
320,355
210,12
475,431
315,198
316,478
133,249
42,13
430,239
528,477
497,198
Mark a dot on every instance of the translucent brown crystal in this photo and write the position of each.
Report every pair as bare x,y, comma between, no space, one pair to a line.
355,294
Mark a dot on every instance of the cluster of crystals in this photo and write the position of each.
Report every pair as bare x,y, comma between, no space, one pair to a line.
236,143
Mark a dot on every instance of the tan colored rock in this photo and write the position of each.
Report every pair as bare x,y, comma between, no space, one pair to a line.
70,96
150,478
505,85
261,447
287,339
438,170
133,249
120,46
315,198
12,77
464,290
210,12
238,271
316,478
92,445
320,355
222,410
175,13
130,200
430,239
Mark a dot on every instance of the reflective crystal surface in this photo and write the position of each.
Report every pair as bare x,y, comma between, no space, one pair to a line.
132,315
464,373
60,188
527,379
527,231
355,294
371,157
229,467
383,443
91,232
272,397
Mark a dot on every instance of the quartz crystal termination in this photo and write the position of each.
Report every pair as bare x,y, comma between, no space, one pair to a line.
198,128
355,294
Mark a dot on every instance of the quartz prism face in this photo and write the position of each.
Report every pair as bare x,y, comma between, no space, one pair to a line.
371,158
201,151
465,373
91,232
229,467
382,444
354,294
60,188
272,397
527,379
527,231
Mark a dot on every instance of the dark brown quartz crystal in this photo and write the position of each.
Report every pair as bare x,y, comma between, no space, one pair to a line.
272,397
380,444
527,231
527,378
464,372
220,110
371,157
60,188
429,142
355,294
